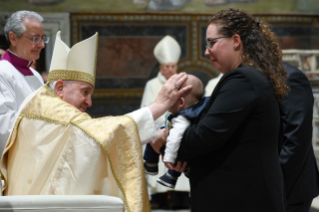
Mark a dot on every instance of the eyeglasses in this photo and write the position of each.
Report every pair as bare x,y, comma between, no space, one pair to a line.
37,40
209,44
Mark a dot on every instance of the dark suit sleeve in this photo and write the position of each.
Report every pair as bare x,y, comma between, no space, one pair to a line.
233,102
296,113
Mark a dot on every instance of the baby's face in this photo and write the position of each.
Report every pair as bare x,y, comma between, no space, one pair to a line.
181,104
175,108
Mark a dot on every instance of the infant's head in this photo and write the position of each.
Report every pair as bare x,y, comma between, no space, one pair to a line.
191,97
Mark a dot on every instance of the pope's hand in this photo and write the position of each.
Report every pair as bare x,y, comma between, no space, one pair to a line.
169,94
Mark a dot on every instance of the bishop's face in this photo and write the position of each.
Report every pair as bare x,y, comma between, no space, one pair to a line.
78,94
23,46
168,69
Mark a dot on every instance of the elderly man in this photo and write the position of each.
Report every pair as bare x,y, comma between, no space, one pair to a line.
56,148
25,34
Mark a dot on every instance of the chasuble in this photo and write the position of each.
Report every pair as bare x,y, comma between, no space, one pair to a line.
56,149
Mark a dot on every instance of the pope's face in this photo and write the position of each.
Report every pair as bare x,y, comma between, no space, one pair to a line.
78,94
24,47
168,69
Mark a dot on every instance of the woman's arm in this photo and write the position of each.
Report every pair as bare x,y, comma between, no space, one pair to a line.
234,101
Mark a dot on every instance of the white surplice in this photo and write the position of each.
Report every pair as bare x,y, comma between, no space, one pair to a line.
14,88
212,84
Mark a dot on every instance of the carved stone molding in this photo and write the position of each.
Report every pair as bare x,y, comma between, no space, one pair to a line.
166,4
305,60
315,138
3,21
44,2
54,22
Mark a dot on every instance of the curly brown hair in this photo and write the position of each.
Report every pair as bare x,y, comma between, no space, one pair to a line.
261,49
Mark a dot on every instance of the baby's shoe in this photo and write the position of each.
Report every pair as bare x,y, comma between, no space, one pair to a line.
167,180
151,168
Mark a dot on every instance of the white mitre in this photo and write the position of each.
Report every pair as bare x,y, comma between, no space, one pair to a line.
167,50
77,63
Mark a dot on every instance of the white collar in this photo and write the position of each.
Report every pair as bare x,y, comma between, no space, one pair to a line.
161,77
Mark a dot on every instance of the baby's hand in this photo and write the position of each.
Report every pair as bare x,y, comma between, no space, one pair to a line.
169,165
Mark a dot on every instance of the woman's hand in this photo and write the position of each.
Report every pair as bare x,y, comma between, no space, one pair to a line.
169,94
169,165
160,141
180,167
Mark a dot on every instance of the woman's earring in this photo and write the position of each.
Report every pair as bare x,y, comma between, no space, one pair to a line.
234,46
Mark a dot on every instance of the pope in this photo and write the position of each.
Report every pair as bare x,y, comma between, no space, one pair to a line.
56,148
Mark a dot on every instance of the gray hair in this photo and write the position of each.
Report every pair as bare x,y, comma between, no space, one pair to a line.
52,84
15,22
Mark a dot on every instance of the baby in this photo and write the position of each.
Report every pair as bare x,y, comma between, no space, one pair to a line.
185,111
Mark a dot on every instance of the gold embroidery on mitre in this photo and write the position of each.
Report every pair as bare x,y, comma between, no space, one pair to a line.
71,75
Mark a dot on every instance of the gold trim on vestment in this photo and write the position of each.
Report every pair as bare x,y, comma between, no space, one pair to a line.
7,147
43,119
117,136
71,75
96,50
125,136
112,168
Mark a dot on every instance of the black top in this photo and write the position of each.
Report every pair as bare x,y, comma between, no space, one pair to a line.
193,112
297,157
233,150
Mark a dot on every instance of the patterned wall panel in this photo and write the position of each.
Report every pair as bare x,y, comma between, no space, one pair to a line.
126,41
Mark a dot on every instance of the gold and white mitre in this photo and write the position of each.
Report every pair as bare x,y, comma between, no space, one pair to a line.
167,50
77,63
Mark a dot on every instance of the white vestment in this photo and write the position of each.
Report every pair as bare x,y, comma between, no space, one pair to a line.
56,149
14,88
151,91
212,84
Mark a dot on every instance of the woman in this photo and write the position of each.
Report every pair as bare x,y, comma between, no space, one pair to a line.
233,149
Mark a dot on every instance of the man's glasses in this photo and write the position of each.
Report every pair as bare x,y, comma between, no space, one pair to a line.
37,40
209,44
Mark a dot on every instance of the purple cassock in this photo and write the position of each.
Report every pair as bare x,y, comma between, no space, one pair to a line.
20,64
